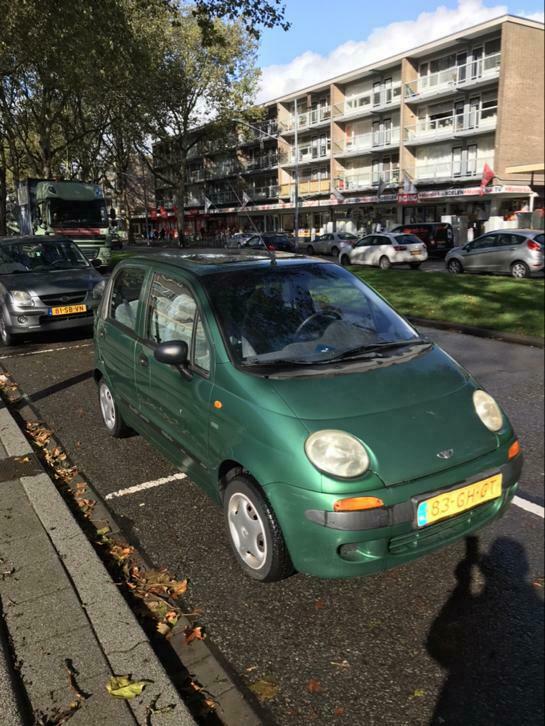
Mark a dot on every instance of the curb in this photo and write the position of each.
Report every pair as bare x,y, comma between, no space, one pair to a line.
122,640
201,659
519,339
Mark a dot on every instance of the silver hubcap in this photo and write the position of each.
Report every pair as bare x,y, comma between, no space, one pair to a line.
454,267
247,531
519,271
107,406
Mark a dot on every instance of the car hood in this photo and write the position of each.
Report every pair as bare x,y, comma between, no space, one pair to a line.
406,414
49,283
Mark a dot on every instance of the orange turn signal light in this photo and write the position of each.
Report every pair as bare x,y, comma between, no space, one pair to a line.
357,504
514,450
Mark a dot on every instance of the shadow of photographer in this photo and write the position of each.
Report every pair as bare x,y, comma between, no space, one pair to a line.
490,643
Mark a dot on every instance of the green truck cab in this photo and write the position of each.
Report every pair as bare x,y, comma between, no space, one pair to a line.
338,441
71,209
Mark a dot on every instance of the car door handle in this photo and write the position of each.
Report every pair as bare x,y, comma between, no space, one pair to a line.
143,361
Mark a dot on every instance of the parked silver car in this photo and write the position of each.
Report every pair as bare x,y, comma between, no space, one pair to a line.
518,252
331,243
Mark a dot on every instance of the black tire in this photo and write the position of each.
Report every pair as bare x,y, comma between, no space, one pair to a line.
345,260
310,250
276,565
335,252
455,267
115,425
384,263
6,338
414,265
520,270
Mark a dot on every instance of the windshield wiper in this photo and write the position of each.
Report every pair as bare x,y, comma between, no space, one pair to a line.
374,350
275,362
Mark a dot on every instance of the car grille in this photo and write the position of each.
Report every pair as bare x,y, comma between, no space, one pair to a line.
64,298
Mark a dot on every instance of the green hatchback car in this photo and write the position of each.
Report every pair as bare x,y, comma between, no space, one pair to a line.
338,441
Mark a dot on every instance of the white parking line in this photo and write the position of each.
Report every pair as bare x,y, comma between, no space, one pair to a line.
529,506
46,350
145,485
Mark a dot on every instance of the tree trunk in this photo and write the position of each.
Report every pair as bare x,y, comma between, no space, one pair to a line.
180,201
3,193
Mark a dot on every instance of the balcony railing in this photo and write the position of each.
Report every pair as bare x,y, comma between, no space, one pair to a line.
196,176
457,76
430,129
307,154
444,170
356,180
267,192
307,119
368,102
306,187
220,170
223,197
370,141
257,132
263,162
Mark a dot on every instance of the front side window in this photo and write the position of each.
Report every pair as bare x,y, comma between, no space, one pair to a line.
126,290
312,313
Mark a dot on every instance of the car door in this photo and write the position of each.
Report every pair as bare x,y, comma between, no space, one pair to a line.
508,251
176,407
381,248
479,253
361,253
117,332
322,243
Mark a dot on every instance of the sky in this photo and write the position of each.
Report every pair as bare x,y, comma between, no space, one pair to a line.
327,38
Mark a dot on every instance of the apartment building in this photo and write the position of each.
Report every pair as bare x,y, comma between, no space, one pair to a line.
403,140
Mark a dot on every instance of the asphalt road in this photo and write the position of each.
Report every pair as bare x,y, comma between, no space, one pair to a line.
439,641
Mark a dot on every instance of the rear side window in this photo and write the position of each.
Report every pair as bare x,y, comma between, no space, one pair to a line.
408,239
126,290
540,239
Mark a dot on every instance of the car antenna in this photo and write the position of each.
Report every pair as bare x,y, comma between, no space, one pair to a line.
270,253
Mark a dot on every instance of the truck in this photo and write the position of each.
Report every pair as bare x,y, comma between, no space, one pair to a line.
73,209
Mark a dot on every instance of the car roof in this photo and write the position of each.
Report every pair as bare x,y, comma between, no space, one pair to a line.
202,263
34,238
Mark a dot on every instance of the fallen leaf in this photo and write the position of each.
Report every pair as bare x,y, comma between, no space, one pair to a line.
265,690
313,686
538,583
192,634
123,687
319,604
418,693
102,531
178,589
22,459
341,664
163,628
251,668
339,711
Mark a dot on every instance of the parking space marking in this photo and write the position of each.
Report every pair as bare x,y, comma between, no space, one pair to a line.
529,506
145,485
46,350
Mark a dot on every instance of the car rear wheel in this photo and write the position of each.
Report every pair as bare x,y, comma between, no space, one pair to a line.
520,270
345,260
455,267
310,250
110,412
335,252
384,263
6,337
254,532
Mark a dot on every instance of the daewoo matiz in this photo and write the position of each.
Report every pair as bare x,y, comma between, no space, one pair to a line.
338,441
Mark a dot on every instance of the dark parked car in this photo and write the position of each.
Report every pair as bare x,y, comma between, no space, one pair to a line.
437,236
516,252
45,284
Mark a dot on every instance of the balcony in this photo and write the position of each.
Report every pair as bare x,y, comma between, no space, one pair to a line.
227,196
266,192
458,125
269,161
257,132
443,171
368,103
307,154
452,79
219,171
308,120
307,187
195,176
353,181
361,144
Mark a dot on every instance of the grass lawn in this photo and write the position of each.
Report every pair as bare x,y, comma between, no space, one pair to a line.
486,301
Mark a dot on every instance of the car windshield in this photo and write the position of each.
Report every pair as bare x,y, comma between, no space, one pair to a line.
305,314
71,213
21,257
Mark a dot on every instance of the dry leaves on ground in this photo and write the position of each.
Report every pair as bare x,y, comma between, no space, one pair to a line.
192,634
314,686
264,689
124,687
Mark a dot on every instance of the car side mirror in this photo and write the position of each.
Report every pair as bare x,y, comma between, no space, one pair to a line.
174,353
96,263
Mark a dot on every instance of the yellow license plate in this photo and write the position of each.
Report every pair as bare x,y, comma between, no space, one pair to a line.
415,254
451,503
68,310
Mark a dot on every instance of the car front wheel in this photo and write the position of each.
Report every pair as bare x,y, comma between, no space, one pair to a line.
520,270
110,412
384,263
455,267
254,532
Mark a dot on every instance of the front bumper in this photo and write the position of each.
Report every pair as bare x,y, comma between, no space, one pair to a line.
33,320
328,544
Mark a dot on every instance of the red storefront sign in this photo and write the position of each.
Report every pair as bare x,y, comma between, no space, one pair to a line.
407,198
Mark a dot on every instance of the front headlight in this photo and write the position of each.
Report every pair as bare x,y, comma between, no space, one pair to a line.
488,410
98,290
22,297
337,453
